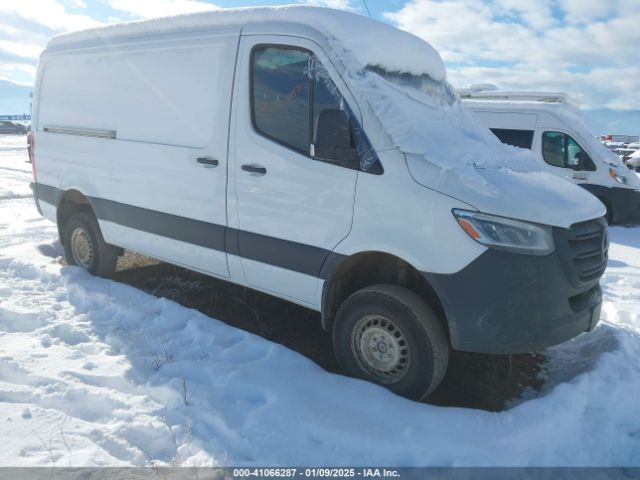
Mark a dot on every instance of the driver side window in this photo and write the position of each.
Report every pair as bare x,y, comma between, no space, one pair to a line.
295,103
561,150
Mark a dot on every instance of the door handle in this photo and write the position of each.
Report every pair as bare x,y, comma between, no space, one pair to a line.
257,169
207,162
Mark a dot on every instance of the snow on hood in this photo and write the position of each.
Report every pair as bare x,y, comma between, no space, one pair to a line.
370,42
449,150
536,196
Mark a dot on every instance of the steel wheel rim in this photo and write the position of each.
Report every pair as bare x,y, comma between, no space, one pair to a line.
380,348
82,248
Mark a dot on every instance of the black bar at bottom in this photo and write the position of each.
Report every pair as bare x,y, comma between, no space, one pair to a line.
239,473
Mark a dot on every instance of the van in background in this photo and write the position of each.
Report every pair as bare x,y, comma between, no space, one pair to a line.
550,125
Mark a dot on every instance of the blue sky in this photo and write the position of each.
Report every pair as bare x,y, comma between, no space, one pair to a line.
589,48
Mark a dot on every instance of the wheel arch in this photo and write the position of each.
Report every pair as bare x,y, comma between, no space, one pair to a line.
364,269
70,202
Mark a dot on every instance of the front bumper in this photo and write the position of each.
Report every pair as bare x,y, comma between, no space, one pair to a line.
626,205
509,303
624,202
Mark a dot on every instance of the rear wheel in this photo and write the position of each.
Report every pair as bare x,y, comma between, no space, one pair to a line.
390,336
85,247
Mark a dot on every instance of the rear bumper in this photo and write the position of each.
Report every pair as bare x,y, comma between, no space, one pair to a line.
508,303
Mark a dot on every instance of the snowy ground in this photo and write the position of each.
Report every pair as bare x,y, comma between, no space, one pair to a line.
14,171
94,372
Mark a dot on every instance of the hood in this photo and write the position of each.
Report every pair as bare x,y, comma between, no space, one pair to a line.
534,196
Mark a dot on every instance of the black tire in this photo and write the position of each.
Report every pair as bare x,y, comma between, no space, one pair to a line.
410,321
103,257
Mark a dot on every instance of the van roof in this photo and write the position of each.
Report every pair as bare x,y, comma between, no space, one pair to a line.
370,42
518,99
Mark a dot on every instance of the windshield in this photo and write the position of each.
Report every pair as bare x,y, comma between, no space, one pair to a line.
600,152
425,119
607,155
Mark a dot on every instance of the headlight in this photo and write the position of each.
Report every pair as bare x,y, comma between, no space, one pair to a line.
506,234
613,173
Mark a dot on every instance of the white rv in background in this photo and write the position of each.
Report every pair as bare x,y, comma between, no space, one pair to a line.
550,125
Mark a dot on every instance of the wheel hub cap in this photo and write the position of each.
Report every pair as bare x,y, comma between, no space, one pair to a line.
381,348
82,248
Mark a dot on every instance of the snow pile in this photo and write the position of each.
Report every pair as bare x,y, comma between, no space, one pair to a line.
93,372
371,42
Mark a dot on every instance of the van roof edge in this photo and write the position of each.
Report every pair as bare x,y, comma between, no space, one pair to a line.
542,97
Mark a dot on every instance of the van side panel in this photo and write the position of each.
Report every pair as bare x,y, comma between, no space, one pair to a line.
508,120
167,103
166,92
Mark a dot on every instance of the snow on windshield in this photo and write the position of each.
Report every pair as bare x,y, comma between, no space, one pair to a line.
425,117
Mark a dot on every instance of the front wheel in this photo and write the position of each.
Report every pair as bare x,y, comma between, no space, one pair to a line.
85,247
390,336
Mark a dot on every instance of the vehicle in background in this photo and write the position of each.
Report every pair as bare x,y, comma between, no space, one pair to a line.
13,128
624,153
281,149
620,138
550,125
633,161
623,150
614,145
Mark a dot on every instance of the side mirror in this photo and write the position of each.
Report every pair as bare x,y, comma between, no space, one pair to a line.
580,161
575,161
333,139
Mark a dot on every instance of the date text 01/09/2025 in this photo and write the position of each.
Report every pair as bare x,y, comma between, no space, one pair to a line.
315,472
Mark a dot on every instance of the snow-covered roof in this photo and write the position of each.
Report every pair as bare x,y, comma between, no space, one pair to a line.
369,41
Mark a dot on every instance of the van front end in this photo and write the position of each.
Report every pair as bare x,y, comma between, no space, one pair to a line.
507,302
622,202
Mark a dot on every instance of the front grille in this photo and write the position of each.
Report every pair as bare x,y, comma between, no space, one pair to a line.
589,249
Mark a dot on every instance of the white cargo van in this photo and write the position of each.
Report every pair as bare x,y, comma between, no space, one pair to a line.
291,150
550,125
